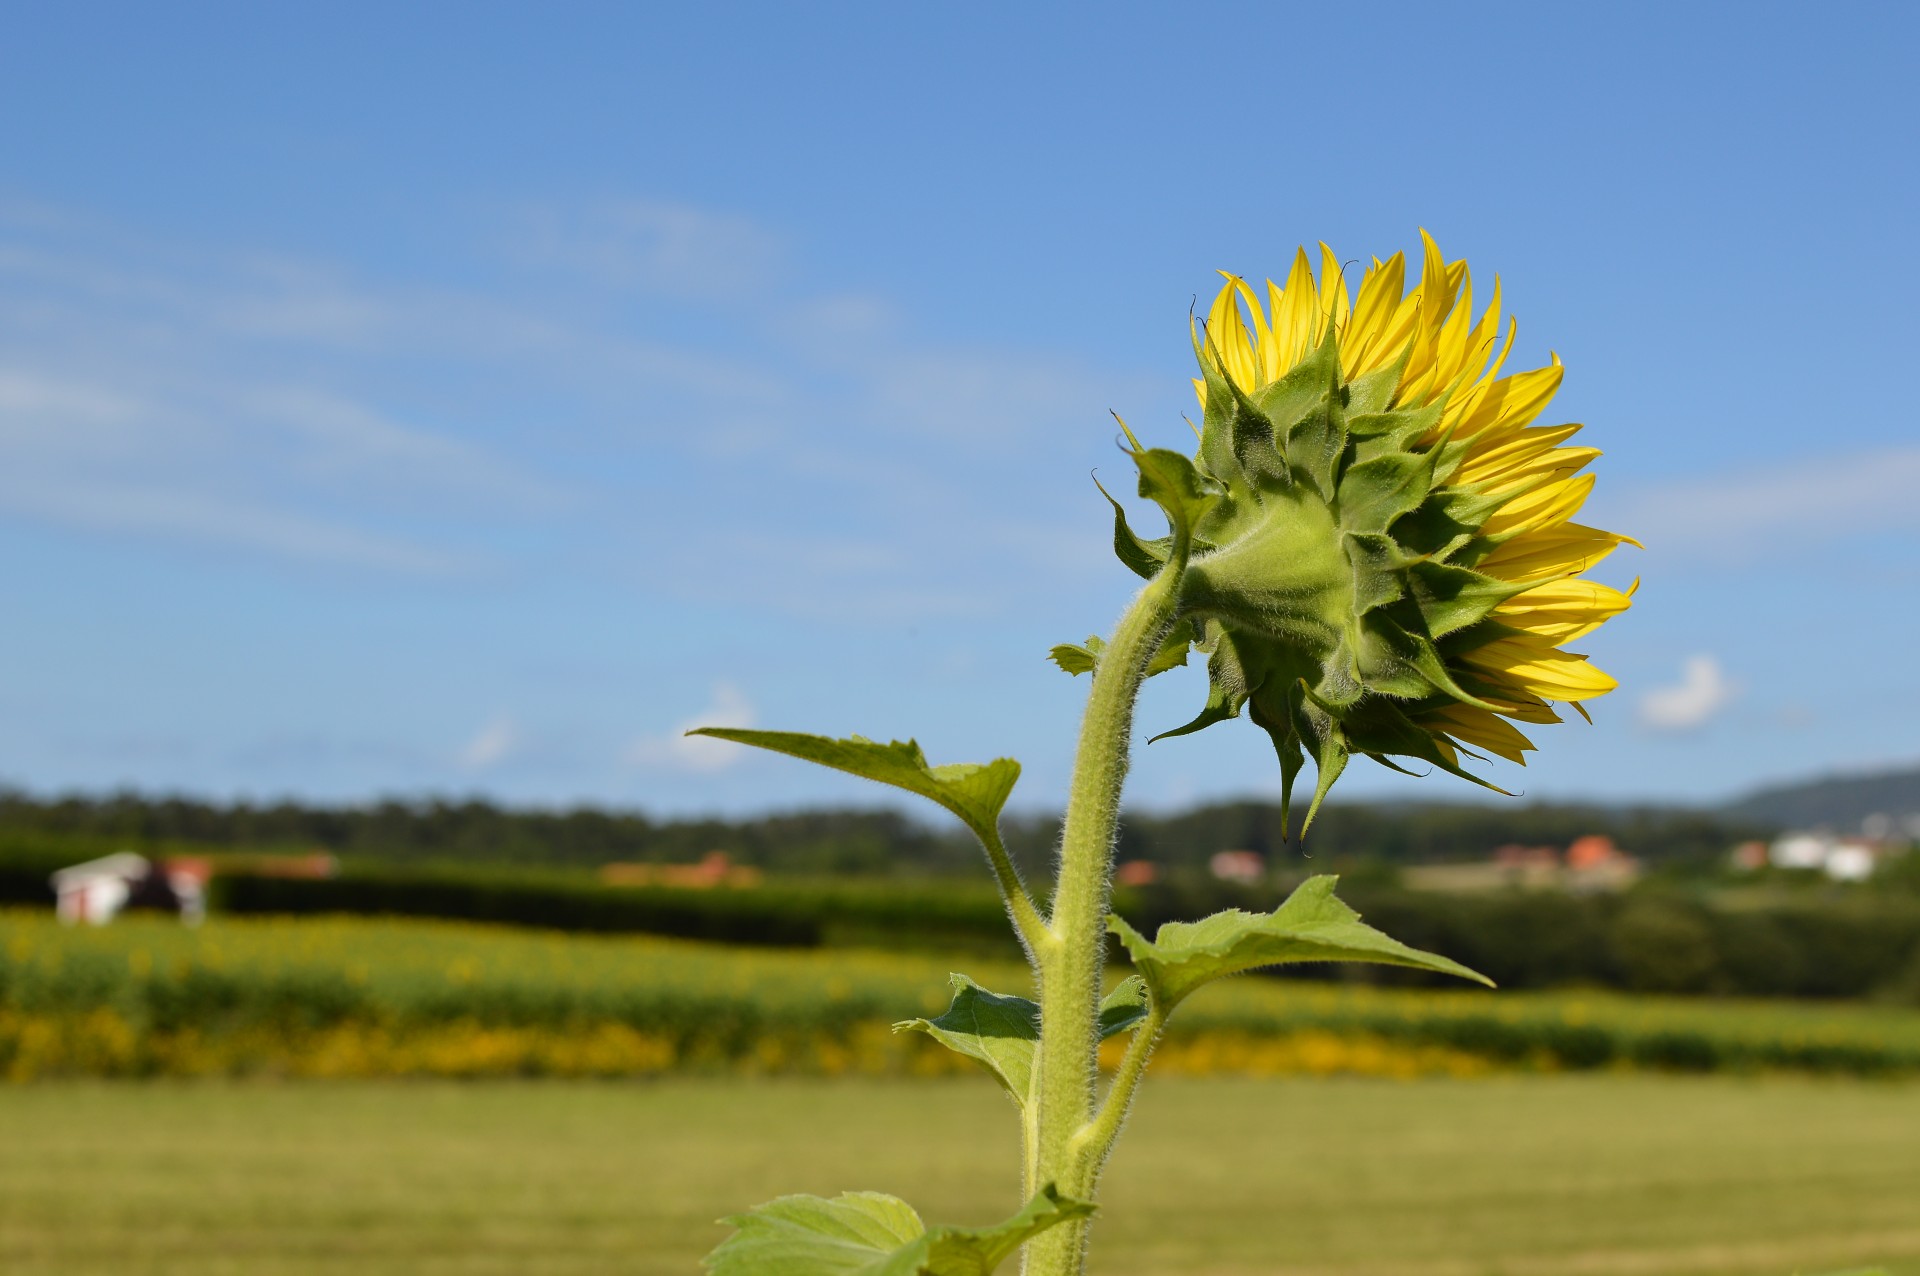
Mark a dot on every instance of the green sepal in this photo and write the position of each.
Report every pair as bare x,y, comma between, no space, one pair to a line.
1308,416
1237,439
1369,395
1170,480
1311,925
1376,492
1390,433
1330,756
1173,648
872,1234
1381,726
1414,654
1226,690
974,791
1451,598
1143,558
1002,1033
1376,562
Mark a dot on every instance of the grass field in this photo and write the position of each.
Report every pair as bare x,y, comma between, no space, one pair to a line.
1587,1175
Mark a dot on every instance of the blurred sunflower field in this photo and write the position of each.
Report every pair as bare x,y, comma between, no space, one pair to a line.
361,997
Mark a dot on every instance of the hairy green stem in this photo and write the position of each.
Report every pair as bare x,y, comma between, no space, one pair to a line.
1070,972
1027,922
1094,1142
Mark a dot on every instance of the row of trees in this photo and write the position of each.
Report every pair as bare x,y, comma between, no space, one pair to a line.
846,841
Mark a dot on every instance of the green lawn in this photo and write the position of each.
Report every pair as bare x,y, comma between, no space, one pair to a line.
1587,1175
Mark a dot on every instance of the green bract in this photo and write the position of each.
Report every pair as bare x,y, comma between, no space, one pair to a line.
1329,565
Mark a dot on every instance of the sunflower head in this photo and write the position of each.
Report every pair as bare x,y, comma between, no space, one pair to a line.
1386,563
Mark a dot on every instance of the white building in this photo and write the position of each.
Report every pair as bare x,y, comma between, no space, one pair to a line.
1844,859
96,891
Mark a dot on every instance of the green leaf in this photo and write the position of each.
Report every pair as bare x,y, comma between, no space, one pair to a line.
1077,660
872,1234
1002,1033
1312,925
997,1031
1085,657
1124,1007
971,790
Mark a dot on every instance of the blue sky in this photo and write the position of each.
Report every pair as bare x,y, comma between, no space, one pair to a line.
465,398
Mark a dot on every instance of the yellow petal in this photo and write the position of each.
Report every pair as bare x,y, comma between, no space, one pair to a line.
1566,550
1334,304
1560,611
1540,669
1294,318
1548,505
1481,729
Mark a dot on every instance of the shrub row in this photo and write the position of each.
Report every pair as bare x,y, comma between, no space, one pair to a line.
1843,945
963,916
1799,944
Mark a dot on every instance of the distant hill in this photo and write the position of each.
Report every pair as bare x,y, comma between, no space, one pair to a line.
1841,803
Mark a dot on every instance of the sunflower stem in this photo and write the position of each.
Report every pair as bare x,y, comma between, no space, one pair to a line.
1070,972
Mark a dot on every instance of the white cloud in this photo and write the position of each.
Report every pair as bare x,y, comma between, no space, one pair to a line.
1763,513
1702,692
114,508
653,244
679,751
491,745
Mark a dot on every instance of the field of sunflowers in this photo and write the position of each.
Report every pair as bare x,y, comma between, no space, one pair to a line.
370,997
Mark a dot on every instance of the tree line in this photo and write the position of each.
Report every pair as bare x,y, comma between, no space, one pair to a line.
868,841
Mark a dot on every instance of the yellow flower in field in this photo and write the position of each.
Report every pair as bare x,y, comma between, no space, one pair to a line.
1389,564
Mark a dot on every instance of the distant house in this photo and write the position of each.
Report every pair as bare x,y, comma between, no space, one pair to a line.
1590,863
1136,873
1529,867
1844,859
99,890
1594,863
1245,867
715,868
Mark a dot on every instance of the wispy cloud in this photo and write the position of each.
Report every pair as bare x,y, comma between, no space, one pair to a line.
654,245
676,750
287,408
1758,514
1704,690
491,745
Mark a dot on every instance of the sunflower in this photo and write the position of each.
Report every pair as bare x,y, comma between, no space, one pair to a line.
1389,565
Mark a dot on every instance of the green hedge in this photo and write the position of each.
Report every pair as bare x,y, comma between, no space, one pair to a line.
1816,944
1844,944
959,915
